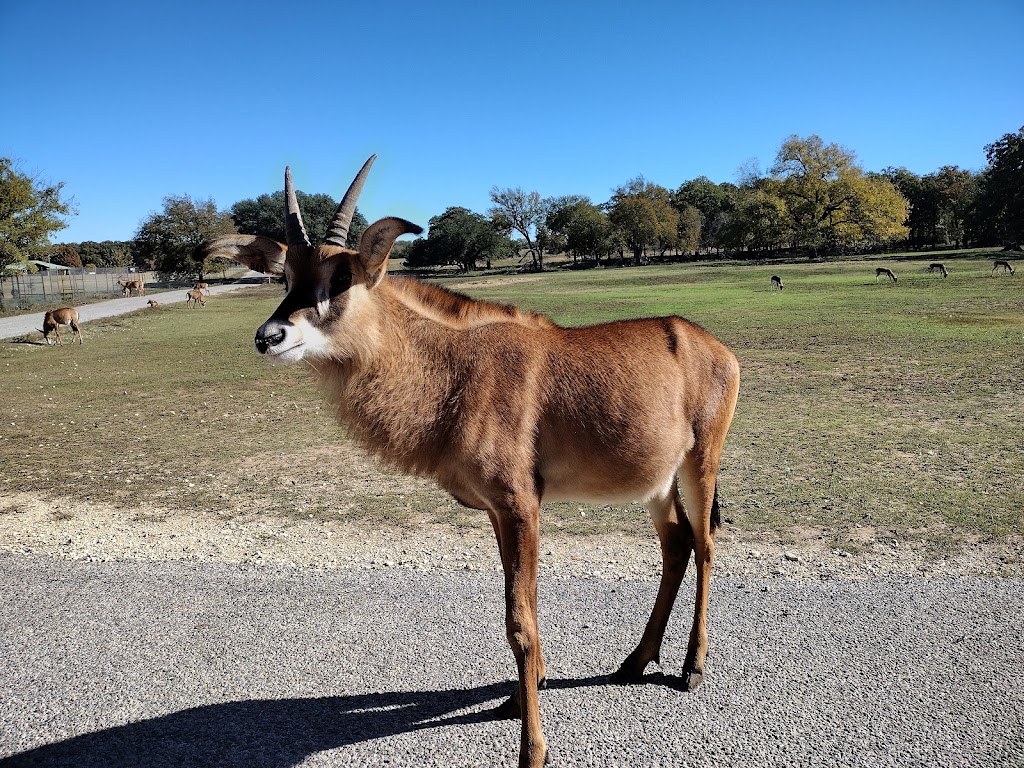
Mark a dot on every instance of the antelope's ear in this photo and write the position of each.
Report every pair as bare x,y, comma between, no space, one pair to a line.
253,251
375,246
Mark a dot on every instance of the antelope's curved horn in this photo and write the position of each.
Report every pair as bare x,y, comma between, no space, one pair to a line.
338,233
295,232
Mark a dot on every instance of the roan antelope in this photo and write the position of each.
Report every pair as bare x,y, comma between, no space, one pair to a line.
937,267
1007,267
194,297
883,271
55,318
507,410
777,282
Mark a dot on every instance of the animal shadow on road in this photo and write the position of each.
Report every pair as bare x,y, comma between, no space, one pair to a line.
277,733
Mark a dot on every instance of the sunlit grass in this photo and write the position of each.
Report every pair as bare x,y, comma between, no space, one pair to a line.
862,403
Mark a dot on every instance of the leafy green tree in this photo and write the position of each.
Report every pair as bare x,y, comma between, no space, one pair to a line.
689,229
460,237
644,216
265,216
831,202
922,196
757,222
1001,199
517,211
957,190
713,201
584,227
30,211
171,242
66,255
109,253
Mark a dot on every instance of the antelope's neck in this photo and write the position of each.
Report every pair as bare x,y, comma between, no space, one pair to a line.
396,397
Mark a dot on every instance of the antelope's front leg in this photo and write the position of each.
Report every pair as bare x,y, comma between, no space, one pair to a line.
511,709
520,533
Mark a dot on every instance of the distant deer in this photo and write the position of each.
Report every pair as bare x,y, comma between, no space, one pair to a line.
153,303
58,317
132,287
937,267
777,282
883,271
1007,267
202,286
194,297
634,409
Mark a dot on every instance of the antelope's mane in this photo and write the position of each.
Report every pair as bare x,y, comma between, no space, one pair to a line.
458,310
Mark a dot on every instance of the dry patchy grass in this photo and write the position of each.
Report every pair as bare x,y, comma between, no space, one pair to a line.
864,406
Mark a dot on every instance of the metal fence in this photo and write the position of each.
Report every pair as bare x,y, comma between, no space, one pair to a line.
68,284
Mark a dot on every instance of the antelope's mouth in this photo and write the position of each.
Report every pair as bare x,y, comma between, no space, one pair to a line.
288,355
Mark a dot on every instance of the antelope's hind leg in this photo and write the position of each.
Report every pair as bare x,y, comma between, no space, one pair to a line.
676,544
699,476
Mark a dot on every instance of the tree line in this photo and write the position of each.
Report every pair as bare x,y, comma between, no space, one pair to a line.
814,200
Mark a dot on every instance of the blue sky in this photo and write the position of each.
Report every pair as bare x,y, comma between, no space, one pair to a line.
129,102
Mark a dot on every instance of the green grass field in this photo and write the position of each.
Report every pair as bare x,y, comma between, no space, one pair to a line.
897,408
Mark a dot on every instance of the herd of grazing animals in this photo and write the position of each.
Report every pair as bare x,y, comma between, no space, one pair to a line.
776,281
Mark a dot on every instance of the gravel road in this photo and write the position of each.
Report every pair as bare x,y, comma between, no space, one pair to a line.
176,663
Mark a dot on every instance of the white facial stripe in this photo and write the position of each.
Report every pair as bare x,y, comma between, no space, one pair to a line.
314,342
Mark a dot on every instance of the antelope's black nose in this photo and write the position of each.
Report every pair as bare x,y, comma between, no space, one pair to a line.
270,334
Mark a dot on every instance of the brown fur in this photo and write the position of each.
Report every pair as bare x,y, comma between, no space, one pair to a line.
507,410
1007,267
132,288
883,271
194,297
58,317
202,286
938,267
153,303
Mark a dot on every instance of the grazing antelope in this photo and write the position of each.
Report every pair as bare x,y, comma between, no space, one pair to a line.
883,271
58,317
132,287
1007,267
202,286
937,267
194,297
153,303
777,282
507,410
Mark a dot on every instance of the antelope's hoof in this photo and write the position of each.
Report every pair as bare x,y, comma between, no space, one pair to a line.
508,709
629,673
692,679
623,676
632,669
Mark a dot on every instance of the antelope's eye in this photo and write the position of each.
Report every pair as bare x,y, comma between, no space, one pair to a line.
341,281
